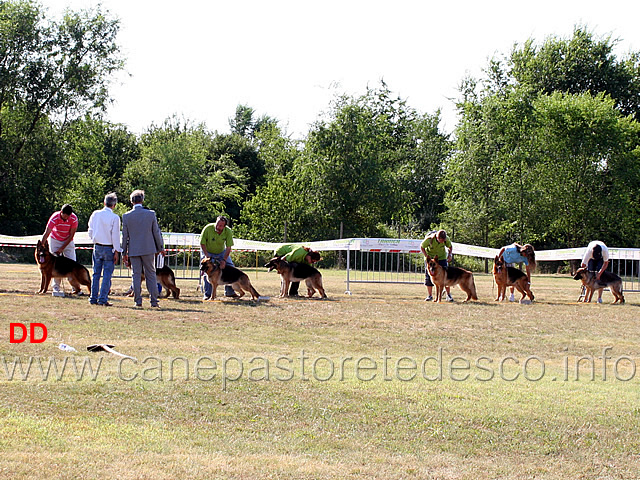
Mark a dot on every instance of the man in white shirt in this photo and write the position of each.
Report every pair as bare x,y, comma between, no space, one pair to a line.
104,231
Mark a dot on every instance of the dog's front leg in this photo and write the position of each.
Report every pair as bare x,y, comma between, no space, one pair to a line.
47,281
588,295
42,280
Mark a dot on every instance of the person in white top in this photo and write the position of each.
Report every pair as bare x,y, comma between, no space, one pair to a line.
596,259
104,231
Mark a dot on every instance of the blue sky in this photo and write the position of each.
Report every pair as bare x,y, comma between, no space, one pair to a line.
288,59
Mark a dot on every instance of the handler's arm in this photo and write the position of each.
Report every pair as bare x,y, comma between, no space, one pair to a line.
227,252
69,239
46,234
604,267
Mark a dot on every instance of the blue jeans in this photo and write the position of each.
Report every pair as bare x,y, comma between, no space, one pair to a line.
102,265
208,289
595,265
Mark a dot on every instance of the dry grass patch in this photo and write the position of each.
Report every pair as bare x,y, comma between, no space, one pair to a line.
331,420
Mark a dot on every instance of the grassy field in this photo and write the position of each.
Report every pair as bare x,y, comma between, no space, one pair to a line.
376,385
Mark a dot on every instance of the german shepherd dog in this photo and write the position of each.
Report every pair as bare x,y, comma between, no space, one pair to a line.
168,281
227,276
449,276
60,267
297,272
607,279
510,277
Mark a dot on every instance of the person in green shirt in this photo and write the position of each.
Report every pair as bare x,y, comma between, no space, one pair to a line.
434,245
216,241
293,253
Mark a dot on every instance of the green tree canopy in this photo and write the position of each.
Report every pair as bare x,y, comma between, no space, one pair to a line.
51,71
183,184
580,64
544,149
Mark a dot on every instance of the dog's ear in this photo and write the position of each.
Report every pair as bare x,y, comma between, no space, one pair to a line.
435,259
497,259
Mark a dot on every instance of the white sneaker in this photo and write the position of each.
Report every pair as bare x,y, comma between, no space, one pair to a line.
599,300
449,298
512,298
57,293
429,299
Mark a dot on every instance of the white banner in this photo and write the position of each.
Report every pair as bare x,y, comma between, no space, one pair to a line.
392,245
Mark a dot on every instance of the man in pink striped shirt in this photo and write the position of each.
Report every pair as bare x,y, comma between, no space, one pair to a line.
60,230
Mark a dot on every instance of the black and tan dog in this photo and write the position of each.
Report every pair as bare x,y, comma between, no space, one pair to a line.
297,272
591,284
60,267
510,277
227,276
450,276
167,279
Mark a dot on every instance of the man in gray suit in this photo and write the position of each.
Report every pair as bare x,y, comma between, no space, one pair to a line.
141,240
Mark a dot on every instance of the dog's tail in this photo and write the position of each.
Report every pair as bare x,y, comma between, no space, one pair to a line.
254,293
474,294
85,278
176,291
621,296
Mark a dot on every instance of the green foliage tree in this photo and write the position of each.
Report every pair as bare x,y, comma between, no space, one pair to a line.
588,167
246,125
539,153
279,209
375,161
580,64
242,152
99,153
50,72
183,184
421,168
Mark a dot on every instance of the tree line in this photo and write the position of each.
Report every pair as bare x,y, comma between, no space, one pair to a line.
546,150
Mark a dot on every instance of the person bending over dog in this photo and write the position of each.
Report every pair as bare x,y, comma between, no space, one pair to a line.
216,241
60,231
434,246
516,253
296,254
596,259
